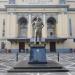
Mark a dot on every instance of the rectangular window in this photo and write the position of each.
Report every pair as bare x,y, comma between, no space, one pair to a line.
70,28
11,1
3,33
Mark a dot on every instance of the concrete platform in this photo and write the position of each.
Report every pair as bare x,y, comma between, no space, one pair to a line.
51,66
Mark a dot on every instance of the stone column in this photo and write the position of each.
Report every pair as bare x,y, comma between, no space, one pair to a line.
29,27
1,25
7,26
44,30
62,28
13,26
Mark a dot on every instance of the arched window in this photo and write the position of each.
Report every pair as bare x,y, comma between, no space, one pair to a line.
51,26
22,21
51,22
22,27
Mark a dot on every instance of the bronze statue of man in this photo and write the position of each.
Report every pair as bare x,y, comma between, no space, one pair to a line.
37,27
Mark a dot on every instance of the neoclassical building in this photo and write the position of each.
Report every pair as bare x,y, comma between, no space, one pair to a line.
17,16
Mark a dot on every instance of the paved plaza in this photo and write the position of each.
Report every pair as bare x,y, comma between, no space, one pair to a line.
7,61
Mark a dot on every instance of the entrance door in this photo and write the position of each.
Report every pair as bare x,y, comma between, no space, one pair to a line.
52,47
21,47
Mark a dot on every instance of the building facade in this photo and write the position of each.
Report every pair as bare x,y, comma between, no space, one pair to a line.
17,16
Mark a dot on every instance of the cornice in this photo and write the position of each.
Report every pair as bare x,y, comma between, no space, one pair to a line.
37,6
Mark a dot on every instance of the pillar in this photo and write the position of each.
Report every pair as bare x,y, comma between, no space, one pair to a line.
7,26
44,30
13,26
62,28
29,27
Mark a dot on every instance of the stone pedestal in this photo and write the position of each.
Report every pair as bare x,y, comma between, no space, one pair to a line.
38,55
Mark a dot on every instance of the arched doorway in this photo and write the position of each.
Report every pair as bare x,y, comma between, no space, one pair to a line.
51,27
22,29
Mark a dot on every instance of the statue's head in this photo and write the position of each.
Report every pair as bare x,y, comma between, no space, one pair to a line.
37,22
38,19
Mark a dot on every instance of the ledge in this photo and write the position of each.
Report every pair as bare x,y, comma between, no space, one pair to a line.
36,6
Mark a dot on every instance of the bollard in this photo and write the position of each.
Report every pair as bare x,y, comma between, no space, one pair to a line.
58,56
17,56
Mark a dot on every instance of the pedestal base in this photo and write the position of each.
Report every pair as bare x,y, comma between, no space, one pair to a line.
51,66
37,55
36,62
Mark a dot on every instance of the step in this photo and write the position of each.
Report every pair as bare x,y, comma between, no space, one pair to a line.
51,66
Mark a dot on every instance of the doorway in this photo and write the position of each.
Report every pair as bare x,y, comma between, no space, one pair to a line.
52,46
21,46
